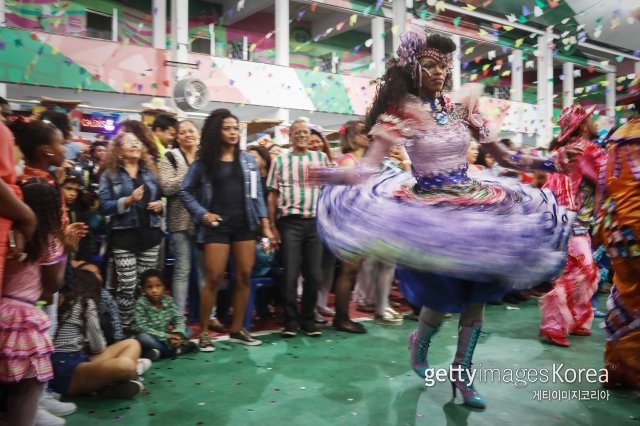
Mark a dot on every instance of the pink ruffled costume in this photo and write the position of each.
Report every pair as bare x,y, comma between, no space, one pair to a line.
25,345
567,307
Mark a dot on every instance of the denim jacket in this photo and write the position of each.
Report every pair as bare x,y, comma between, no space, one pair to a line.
196,193
115,187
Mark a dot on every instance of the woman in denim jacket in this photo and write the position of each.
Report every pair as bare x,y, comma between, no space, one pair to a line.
222,192
130,197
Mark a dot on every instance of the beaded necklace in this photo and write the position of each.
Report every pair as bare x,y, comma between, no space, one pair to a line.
438,110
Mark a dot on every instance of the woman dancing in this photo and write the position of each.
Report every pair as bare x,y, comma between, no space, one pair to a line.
427,220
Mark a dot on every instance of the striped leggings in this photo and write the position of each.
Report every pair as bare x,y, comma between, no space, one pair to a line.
129,267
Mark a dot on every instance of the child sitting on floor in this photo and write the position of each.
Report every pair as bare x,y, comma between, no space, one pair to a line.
82,361
162,329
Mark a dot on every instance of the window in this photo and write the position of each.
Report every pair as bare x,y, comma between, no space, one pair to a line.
201,45
237,48
328,63
98,25
500,92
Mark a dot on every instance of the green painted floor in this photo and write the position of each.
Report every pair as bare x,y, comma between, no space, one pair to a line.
341,379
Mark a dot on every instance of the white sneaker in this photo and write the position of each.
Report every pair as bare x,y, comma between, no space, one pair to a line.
55,407
394,313
205,343
143,365
45,418
387,319
54,395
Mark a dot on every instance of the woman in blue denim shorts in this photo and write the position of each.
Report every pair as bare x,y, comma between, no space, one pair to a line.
223,194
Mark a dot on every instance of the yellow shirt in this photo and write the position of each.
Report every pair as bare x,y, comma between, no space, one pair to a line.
161,148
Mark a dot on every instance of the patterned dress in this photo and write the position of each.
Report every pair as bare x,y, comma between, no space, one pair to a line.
459,238
24,339
619,228
567,307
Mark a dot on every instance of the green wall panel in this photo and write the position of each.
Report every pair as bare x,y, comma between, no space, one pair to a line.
327,94
26,60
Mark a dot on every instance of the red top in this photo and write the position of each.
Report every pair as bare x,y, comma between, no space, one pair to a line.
567,187
8,175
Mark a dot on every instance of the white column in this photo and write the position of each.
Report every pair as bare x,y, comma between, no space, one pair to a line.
243,136
567,84
3,16
377,48
399,9
517,70
212,40
456,69
159,24
3,90
282,55
610,94
114,25
282,114
282,33
545,89
180,34
549,64
245,48
515,94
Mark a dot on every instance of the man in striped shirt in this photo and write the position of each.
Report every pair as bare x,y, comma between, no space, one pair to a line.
293,201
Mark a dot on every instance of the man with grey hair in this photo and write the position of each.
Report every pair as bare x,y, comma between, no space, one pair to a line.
293,202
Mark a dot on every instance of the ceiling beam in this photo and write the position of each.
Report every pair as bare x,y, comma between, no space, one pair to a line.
320,26
384,9
498,20
250,7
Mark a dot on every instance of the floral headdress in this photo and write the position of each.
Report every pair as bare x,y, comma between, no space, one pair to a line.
413,46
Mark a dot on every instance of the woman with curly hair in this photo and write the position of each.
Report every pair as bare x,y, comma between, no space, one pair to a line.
144,135
130,195
222,193
426,220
